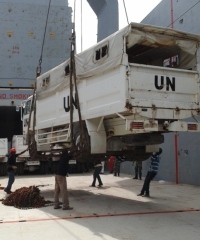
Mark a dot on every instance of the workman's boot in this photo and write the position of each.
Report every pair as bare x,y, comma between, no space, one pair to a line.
146,195
7,191
140,194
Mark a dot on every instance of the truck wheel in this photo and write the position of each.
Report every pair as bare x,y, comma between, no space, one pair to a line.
44,167
3,169
86,144
54,167
77,138
143,139
137,153
32,148
20,168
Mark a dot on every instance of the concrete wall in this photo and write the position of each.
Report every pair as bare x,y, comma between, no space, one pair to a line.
21,37
185,15
186,18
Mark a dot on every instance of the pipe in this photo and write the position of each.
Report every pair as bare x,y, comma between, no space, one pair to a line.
81,26
176,156
176,134
172,14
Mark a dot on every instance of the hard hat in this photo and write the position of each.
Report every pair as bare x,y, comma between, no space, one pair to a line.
13,150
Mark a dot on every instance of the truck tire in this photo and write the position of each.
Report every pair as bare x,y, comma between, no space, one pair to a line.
77,138
3,169
143,139
86,144
54,166
137,154
20,168
44,167
32,147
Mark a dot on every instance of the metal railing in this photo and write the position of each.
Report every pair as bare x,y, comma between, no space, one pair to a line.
49,137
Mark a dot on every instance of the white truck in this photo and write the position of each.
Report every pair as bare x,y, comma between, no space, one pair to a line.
121,96
23,161
3,158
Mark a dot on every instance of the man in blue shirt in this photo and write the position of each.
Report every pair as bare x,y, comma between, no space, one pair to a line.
153,170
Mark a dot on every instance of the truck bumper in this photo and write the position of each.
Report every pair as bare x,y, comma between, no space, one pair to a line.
181,126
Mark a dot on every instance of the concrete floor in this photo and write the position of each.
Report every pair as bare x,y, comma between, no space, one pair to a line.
111,212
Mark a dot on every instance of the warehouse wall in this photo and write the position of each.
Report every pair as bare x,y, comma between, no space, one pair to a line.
185,15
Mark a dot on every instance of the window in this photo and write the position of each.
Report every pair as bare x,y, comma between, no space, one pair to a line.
67,70
27,108
46,81
98,55
101,52
171,62
104,51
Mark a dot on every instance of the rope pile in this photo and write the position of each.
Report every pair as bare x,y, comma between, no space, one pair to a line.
25,197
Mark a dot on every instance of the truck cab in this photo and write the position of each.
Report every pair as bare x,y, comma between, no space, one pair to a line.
3,157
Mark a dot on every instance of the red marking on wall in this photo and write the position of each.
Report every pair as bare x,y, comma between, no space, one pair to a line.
14,96
2,96
19,96
103,215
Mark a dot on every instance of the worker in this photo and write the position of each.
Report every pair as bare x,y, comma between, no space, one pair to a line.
61,181
12,166
103,165
111,163
138,170
97,170
117,163
153,170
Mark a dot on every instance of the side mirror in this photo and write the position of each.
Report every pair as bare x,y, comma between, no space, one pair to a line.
17,108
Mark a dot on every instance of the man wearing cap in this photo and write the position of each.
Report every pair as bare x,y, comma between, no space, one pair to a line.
12,166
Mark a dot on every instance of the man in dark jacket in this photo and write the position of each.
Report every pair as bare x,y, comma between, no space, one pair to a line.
61,181
138,170
12,166
97,170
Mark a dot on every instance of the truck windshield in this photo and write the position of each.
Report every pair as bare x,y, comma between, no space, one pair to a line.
27,107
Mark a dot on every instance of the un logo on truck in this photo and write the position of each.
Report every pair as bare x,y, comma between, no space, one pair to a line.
67,106
163,81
